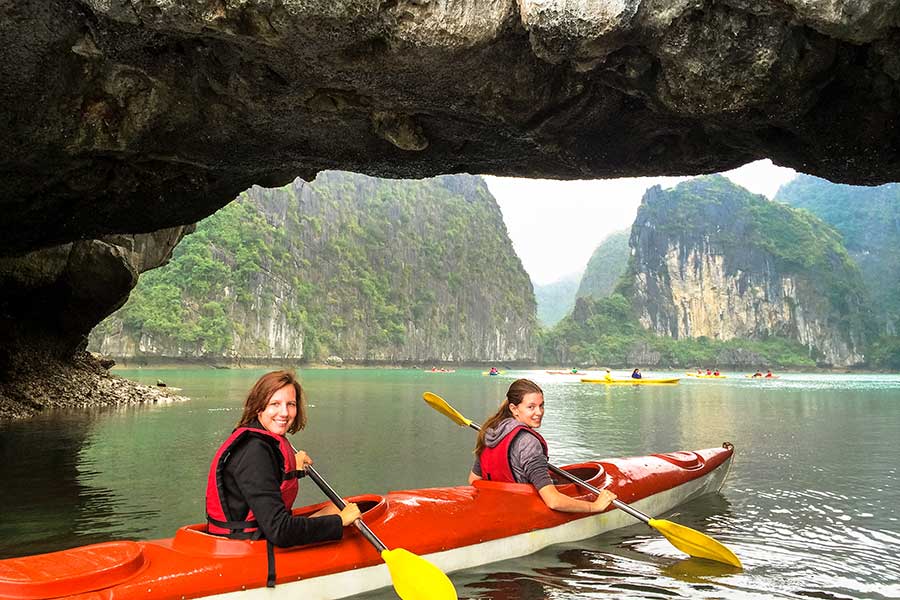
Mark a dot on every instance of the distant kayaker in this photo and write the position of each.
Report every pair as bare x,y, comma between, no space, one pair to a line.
769,373
636,374
708,372
758,374
608,376
494,371
252,482
510,450
716,373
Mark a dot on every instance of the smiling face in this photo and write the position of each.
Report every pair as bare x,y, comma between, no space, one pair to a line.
280,411
530,411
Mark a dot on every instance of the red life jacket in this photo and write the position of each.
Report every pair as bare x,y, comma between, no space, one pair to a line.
232,525
495,461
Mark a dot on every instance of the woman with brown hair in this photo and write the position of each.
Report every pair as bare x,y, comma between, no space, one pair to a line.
509,449
252,481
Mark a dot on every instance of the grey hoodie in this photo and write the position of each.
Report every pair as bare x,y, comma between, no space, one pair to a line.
526,455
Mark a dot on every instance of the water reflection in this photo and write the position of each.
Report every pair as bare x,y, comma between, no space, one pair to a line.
810,505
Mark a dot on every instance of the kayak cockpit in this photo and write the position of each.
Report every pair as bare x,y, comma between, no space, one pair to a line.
194,539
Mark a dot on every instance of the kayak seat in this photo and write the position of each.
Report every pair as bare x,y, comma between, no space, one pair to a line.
689,461
195,540
593,473
69,572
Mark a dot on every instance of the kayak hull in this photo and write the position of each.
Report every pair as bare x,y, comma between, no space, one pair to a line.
454,528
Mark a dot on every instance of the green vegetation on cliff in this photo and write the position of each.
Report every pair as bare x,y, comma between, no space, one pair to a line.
606,332
607,265
868,219
694,239
348,265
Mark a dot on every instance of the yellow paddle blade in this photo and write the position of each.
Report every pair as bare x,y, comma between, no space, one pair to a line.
691,541
440,405
415,578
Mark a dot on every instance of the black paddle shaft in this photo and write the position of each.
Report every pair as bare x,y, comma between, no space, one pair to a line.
339,502
617,503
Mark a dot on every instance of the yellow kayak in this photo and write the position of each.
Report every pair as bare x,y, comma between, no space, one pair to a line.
706,376
633,381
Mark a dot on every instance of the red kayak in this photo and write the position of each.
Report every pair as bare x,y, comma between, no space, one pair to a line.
454,528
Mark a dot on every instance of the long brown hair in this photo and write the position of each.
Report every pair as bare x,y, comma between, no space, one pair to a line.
263,390
514,395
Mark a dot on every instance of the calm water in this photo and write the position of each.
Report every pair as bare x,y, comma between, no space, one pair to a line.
810,507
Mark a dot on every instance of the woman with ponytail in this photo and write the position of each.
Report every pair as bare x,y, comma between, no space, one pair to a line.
510,450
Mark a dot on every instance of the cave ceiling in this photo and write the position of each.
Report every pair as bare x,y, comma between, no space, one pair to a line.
132,116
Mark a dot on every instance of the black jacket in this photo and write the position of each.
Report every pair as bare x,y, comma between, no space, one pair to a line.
252,481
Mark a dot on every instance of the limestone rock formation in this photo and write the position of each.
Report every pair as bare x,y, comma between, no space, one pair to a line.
131,116
607,264
712,260
370,270
52,298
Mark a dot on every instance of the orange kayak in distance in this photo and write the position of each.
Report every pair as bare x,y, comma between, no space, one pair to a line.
642,381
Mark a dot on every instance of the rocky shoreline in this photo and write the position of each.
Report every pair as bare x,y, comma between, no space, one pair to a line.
83,382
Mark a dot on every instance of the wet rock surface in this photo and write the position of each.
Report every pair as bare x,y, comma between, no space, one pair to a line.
79,382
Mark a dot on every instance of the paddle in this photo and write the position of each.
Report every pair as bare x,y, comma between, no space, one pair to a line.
684,538
414,578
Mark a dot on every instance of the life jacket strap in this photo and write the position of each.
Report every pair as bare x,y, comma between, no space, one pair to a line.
235,529
270,559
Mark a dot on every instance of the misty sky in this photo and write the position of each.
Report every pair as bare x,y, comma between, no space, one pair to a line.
556,225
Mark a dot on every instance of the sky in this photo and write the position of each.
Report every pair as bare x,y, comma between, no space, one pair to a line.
556,225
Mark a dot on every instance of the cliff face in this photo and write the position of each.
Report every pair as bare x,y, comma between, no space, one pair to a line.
868,218
348,265
607,264
713,260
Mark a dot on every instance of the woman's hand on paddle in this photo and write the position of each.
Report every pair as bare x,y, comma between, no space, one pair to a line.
302,459
350,513
604,498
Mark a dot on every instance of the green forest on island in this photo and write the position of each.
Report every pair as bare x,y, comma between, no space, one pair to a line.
343,271
604,330
351,263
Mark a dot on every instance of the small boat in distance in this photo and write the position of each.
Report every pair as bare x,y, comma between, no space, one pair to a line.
642,381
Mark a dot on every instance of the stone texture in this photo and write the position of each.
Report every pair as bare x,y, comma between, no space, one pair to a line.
132,116
51,300
692,284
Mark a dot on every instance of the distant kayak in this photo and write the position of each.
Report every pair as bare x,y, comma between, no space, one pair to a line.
706,376
442,371
494,373
761,377
633,381
567,372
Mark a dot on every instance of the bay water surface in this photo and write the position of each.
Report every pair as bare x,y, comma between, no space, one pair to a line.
811,505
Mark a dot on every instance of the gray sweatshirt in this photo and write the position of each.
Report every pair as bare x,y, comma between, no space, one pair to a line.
526,455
